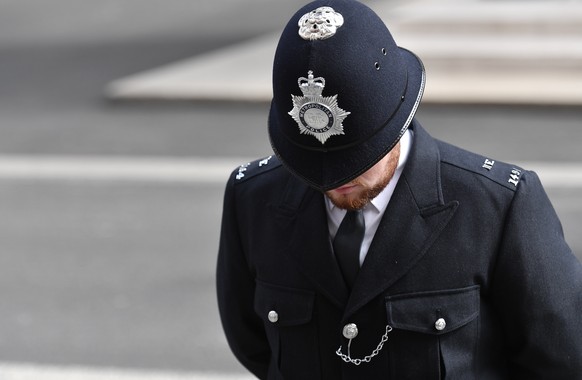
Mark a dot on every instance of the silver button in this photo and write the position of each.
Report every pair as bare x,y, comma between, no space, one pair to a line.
440,324
350,331
273,316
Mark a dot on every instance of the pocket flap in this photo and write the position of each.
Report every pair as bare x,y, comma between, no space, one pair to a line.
434,312
291,306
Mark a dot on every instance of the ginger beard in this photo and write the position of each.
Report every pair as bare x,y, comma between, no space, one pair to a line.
355,194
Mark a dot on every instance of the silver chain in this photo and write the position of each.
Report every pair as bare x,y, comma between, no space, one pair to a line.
348,359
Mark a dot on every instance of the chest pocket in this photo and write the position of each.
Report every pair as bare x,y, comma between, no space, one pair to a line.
439,328
288,317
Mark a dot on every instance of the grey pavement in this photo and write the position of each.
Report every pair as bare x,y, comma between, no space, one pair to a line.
475,51
111,273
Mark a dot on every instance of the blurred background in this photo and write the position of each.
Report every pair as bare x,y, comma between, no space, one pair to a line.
120,121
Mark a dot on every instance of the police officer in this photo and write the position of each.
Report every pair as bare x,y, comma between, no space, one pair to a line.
365,249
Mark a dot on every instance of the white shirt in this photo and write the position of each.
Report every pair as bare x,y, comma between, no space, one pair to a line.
374,210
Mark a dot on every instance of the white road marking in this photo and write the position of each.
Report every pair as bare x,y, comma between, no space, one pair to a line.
26,371
111,168
195,169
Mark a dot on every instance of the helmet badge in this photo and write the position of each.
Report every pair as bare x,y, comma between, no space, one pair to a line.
320,23
315,114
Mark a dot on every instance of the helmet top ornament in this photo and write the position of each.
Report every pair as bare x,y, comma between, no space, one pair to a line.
320,23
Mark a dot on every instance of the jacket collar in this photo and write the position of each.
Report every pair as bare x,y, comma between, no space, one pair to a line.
415,217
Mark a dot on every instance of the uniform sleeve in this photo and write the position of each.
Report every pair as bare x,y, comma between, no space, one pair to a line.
538,289
235,291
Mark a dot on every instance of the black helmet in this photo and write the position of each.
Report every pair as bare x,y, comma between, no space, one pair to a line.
343,92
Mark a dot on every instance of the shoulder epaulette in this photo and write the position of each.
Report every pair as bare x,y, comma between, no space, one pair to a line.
505,174
254,168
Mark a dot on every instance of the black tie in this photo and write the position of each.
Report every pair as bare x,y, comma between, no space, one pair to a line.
347,243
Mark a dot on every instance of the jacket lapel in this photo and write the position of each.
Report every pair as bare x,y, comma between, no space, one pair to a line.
302,220
415,217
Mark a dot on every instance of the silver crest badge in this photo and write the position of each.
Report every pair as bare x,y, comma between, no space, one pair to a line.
317,115
320,23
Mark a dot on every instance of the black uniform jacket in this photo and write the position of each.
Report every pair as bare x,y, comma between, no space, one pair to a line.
468,270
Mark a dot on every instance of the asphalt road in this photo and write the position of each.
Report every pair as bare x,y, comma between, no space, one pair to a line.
119,273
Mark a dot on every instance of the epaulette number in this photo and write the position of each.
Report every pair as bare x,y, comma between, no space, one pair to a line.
488,164
243,168
514,177
264,161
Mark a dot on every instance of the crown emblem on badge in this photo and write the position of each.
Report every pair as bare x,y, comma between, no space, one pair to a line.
315,114
311,86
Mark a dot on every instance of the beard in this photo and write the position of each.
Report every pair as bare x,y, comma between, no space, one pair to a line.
357,201
361,198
